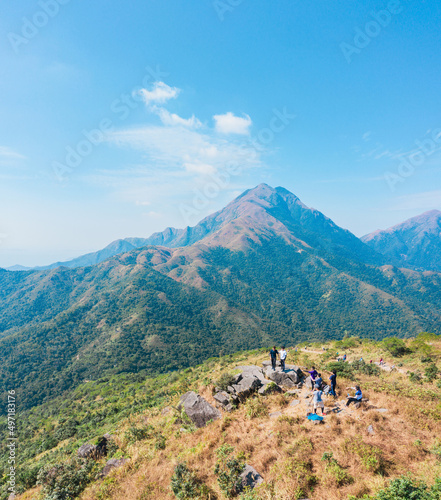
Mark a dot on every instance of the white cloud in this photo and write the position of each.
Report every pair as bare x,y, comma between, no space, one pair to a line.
200,168
160,93
174,120
232,124
177,147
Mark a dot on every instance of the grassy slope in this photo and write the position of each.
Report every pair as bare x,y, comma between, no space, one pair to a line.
287,450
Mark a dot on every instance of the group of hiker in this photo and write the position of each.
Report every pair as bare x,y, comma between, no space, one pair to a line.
317,385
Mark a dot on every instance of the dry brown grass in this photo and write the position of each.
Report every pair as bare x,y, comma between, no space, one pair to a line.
288,450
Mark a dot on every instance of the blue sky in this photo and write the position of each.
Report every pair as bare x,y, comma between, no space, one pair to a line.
119,119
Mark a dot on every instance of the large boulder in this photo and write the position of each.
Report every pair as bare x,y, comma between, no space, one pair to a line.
87,450
198,409
286,378
251,371
94,451
249,478
111,464
295,368
246,386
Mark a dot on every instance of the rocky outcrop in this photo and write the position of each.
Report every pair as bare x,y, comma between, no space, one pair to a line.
111,464
198,409
94,451
223,401
285,378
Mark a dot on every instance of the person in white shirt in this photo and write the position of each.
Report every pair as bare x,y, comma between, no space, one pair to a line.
283,355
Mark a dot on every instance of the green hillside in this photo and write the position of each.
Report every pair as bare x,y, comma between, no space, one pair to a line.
337,460
124,316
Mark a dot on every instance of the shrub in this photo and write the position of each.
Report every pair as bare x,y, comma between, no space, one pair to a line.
66,481
415,377
342,368
27,477
160,441
134,434
224,381
335,471
396,347
185,484
431,372
370,456
228,470
256,408
405,488
366,368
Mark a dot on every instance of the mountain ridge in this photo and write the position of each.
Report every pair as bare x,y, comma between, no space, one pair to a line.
414,243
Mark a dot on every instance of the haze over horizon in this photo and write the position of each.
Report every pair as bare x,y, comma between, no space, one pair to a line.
120,122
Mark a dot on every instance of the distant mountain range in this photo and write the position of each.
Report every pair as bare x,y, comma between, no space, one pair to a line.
264,269
415,244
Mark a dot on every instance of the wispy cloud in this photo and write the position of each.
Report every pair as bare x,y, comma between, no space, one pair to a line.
173,120
8,156
426,200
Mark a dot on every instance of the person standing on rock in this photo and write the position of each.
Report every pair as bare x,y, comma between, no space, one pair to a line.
273,355
283,355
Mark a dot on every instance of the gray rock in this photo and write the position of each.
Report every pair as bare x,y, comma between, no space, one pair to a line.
166,410
294,403
249,478
87,450
111,464
275,414
370,430
252,370
247,386
222,398
269,388
198,410
293,392
382,410
231,390
286,378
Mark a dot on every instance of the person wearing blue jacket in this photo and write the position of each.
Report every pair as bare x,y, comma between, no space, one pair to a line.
358,396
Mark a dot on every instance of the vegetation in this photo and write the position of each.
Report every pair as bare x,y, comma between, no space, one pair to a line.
169,458
124,317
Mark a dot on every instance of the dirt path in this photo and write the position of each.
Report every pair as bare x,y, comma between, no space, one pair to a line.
385,366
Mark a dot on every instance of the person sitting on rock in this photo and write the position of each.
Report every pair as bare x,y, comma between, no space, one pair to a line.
313,373
273,355
358,395
317,400
283,355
